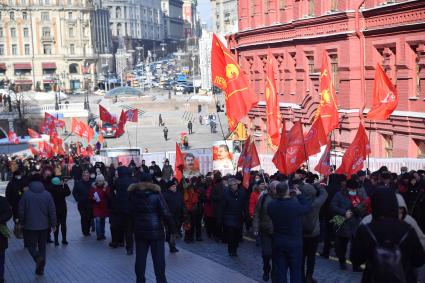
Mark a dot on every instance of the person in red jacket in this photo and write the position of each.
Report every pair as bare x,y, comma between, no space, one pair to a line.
257,188
99,195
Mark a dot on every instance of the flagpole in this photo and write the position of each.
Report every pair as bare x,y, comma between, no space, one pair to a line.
368,154
334,146
307,159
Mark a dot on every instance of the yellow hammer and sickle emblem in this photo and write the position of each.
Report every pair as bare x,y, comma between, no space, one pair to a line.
324,74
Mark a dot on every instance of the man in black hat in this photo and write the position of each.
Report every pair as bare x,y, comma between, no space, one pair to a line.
174,200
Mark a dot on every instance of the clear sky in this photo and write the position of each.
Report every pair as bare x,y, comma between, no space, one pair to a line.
204,8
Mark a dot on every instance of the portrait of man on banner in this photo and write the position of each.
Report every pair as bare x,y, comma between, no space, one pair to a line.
191,165
223,157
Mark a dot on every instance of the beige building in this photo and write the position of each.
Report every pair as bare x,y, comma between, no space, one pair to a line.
224,16
43,42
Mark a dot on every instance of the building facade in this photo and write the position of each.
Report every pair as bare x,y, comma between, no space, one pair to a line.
356,35
192,23
45,42
224,16
173,20
139,22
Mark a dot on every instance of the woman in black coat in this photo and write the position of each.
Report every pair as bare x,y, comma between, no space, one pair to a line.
59,192
386,227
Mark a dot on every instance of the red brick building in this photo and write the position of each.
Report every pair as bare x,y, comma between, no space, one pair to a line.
357,35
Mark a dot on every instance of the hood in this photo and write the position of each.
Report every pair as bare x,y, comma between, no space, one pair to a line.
123,172
401,202
36,187
144,186
384,204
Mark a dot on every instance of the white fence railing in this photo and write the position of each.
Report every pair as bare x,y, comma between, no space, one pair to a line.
206,162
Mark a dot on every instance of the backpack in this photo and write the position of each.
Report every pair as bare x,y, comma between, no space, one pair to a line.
386,265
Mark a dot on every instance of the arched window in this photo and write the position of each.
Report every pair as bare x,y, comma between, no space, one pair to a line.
73,69
118,29
117,12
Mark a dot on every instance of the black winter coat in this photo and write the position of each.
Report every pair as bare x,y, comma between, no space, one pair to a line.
393,230
81,191
76,172
119,197
14,192
234,208
148,211
217,196
59,194
176,205
5,215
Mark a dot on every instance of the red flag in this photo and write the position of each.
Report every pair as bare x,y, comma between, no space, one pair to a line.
69,165
251,160
13,138
45,149
179,165
33,134
132,115
294,154
123,119
100,138
279,158
89,151
315,137
87,133
324,165
76,127
356,154
229,77
385,96
53,122
328,108
272,105
33,150
105,116
78,149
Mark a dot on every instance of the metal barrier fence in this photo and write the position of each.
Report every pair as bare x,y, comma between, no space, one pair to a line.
206,162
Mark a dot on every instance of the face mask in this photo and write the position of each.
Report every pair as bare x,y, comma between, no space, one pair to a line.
18,177
92,176
158,179
352,193
37,167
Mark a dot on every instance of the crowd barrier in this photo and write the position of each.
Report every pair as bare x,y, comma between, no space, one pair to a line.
206,162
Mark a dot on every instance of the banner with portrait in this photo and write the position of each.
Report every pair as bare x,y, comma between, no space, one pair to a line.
223,157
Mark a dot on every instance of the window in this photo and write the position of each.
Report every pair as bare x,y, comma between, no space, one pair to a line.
334,5
26,33
27,49
72,49
69,2
388,146
44,16
282,4
118,29
47,49
117,12
310,60
73,69
1,32
12,16
46,32
47,2
311,7
71,32
1,49
418,77
421,149
14,49
24,3
13,32
0,15
24,14
70,15
334,70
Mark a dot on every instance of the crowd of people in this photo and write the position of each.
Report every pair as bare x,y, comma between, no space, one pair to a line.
374,219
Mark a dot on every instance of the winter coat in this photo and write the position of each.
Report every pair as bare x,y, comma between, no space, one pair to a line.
100,207
261,220
167,172
286,215
253,199
208,208
234,208
217,195
388,229
37,209
76,172
14,192
176,205
192,200
59,194
148,211
5,215
119,195
311,223
81,191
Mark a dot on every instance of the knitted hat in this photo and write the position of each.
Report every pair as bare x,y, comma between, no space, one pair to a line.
100,179
56,181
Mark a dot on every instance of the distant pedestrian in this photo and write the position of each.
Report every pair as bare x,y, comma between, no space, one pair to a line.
200,119
167,171
212,126
38,215
5,215
190,127
149,211
165,130
160,120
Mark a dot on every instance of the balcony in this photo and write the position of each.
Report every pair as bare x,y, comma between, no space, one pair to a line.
47,38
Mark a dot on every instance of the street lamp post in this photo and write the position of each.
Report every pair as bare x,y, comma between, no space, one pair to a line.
193,73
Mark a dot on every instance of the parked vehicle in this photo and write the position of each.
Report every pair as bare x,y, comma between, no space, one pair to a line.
109,130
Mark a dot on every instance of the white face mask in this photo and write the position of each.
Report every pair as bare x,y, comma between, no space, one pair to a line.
18,177
158,179
37,167
92,175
